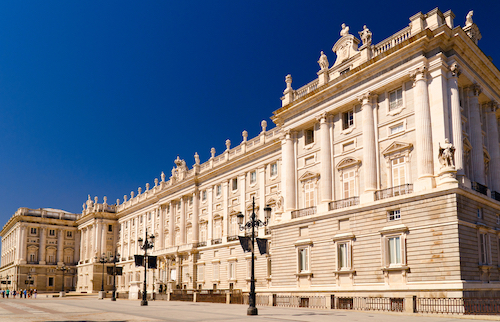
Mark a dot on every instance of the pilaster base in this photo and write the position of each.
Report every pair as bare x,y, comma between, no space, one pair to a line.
367,197
424,183
62,294
322,207
22,261
447,177
42,262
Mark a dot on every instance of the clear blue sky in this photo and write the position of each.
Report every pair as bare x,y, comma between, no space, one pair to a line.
99,97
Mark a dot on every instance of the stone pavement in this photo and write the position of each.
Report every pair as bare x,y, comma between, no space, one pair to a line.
89,308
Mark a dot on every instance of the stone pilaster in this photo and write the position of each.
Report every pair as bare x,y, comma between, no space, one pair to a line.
78,245
161,232
288,173
210,223
369,151
423,132
24,244
456,120
171,228
476,138
225,206
326,158
42,246
60,246
493,146
196,221
182,225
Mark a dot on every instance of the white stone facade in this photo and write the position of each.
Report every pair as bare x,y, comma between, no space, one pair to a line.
383,175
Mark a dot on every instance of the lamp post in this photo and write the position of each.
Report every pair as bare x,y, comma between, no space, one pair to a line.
114,260
29,282
251,224
102,260
145,244
63,269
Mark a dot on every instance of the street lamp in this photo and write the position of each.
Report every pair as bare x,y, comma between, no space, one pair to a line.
145,244
63,269
252,310
29,282
102,260
114,260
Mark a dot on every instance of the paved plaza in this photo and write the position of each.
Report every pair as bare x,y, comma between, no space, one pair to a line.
89,308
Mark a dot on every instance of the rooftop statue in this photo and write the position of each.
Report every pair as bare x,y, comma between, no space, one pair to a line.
323,61
366,36
468,18
345,30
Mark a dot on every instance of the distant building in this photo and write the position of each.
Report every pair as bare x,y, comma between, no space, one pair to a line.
35,242
383,175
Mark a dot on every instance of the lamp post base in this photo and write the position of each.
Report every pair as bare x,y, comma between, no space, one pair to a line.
113,298
144,303
252,310
62,294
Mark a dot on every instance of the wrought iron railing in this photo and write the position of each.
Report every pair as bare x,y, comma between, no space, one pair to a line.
458,305
495,195
371,303
216,241
394,191
344,203
304,212
232,238
201,244
480,188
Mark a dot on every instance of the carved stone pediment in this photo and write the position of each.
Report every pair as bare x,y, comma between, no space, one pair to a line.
345,48
308,175
348,162
396,147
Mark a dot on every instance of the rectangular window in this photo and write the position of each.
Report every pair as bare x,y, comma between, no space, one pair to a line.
395,99
51,281
269,267
347,120
110,228
394,248
32,257
274,169
52,232
348,183
253,177
484,241
396,129
309,198
235,184
51,259
480,213
33,231
133,222
191,200
203,232
218,190
218,229
398,171
303,260
309,135
231,270
204,195
69,234
303,231
343,256
140,219
233,226
394,214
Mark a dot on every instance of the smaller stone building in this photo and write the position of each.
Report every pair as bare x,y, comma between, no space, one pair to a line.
37,243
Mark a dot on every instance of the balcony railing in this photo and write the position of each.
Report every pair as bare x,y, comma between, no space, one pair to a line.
495,195
394,191
232,238
216,241
480,188
201,244
304,212
344,203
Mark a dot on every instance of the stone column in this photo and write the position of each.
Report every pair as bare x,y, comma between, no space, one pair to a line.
476,135
60,246
493,146
161,232
369,155
288,174
82,244
325,157
171,228
136,244
423,131
129,230
122,240
243,186
196,221
183,220
225,206
88,250
104,238
456,120
78,245
24,244
261,173
41,250
210,213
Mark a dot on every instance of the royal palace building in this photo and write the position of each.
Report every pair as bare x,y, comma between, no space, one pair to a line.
383,176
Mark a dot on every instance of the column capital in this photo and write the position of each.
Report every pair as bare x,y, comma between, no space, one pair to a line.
419,74
491,106
455,70
322,118
366,98
475,89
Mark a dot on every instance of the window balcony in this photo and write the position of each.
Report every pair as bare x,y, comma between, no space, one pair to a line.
201,244
394,191
232,238
304,212
344,203
495,195
216,241
480,188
